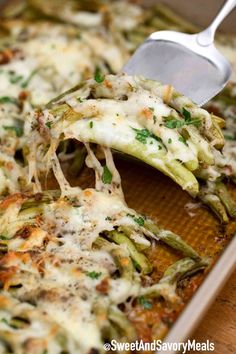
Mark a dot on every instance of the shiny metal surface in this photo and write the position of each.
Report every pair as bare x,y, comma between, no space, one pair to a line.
204,297
190,63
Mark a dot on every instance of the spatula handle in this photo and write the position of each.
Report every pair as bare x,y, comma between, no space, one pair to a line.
206,37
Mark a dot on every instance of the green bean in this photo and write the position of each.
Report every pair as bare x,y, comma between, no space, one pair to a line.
123,263
3,244
203,148
140,260
172,168
214,202
100,309
19,323
117,317
120,256
44,198
182,104
78,161
167,285
171,239
167,291
218,134
3,248
141,243
226,199
219,121
181,269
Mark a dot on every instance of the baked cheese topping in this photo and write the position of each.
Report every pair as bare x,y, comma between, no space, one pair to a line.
67,266
139,117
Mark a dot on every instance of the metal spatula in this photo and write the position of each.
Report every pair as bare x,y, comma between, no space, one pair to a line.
191,63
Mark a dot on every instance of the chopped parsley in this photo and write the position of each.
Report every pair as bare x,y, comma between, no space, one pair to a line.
91,125
151,109
8,99
108,218
79,99
143,134
14,78
93,274
4,321
145,303
107,175
169,141
27,81
173,123
135,263
139,220
186,114
98,77
2,237
18,130
49,124
154,119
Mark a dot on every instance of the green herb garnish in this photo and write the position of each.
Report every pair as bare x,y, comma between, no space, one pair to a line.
135,263
93,274
143,134
169,141
173,123
14,78
2,237
139,220
186,114
108,218
8,99
90,125
27,81
49,124
18,130
107,175
98,77
145,303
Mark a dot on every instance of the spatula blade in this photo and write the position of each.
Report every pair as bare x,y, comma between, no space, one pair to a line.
172,63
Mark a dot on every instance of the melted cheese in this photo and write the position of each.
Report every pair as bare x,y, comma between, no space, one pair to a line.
58,244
